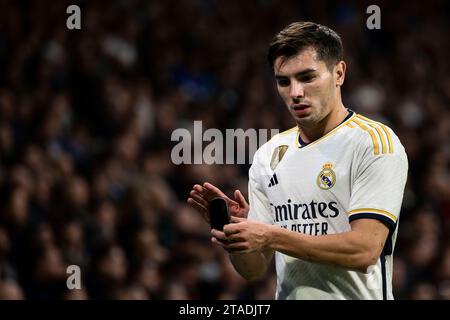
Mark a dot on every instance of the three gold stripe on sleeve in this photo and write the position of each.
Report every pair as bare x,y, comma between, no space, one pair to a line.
375,125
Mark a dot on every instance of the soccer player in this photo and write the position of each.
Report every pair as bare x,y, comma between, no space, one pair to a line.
324,196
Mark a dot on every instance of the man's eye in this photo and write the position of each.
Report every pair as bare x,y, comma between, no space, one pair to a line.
307,79
283,82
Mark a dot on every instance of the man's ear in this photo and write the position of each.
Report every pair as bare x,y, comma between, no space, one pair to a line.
339,71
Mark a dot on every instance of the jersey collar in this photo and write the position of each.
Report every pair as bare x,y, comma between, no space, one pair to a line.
301,143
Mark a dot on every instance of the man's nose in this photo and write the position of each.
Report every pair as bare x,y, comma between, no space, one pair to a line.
296,90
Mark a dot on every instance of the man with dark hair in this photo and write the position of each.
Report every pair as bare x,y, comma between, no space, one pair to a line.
325,196
298,36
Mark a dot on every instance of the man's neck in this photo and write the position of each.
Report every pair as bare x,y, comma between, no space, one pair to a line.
318,130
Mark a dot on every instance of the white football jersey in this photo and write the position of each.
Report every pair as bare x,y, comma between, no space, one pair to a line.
357,170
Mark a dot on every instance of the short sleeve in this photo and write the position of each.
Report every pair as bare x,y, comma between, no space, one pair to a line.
378,187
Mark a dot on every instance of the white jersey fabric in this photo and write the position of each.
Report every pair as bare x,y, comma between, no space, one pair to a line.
357,170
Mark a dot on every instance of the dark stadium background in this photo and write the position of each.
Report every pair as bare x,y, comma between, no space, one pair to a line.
86,118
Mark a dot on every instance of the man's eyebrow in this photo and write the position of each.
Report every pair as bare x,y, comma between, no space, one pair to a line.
298,74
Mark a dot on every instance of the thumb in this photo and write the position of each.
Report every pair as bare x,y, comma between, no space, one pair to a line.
235,219
240,199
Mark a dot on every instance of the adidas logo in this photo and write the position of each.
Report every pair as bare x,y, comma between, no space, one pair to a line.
273,180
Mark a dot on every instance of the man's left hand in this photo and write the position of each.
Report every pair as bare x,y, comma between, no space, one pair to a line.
242,236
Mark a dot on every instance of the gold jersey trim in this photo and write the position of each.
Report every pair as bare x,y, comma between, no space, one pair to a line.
376,147
371,210
388,134
333,131
385,129
373,124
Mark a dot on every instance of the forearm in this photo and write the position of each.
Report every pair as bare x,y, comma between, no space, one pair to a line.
251,265
350,250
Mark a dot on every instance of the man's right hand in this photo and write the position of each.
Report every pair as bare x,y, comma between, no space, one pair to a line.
200,196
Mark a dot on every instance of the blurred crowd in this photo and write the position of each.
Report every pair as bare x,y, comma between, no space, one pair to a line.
86,118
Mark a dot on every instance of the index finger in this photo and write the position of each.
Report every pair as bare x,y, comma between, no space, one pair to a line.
231,228
219,235
213,190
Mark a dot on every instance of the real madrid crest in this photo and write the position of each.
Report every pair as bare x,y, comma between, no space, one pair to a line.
326,178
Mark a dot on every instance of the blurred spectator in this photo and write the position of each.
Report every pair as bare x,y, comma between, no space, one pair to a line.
109,272
423,291
75,294
10,290
399,278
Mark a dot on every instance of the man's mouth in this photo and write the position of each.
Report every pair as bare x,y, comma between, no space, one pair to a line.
301,109
300,106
